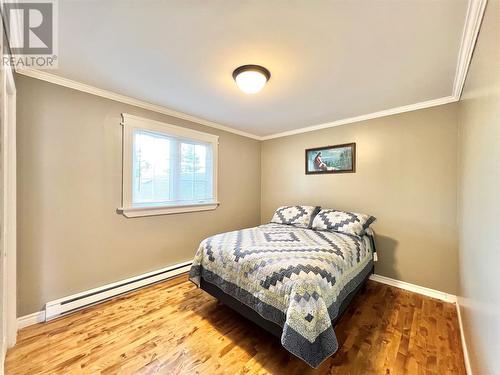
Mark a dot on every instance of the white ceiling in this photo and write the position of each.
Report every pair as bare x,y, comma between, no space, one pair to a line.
329,60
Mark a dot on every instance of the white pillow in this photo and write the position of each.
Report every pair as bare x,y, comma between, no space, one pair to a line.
341,221
298,216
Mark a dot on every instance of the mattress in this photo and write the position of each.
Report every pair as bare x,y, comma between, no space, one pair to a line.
294,277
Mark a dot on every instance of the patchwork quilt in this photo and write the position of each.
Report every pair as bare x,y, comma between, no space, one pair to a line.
294,277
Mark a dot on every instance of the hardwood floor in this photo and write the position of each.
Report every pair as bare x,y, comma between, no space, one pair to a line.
174,328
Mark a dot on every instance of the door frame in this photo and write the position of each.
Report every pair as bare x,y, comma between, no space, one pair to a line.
10,208
8,219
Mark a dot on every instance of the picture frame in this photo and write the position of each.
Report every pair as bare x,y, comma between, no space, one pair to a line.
331,159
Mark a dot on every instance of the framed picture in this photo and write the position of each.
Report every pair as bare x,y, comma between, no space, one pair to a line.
331,159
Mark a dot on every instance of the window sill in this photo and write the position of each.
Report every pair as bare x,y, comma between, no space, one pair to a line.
166,210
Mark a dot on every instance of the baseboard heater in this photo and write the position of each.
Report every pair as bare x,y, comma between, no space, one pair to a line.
69,304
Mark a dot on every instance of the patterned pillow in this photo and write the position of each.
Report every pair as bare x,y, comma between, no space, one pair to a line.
344,222
298,216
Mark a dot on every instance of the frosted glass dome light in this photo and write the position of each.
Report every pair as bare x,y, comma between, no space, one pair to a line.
251,78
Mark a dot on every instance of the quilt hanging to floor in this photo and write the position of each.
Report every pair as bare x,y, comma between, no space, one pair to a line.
294,277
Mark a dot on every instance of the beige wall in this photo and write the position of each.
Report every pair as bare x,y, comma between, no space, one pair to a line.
406,176
479,200
69,175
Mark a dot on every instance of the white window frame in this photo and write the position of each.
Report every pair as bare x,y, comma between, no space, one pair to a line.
130,123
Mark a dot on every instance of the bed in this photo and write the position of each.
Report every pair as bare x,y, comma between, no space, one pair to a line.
295,282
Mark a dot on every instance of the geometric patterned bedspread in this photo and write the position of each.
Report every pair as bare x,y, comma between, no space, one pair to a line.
294,277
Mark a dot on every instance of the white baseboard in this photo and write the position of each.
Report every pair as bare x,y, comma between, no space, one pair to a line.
28,320
69,304
103,293
415,288
39,317
468,367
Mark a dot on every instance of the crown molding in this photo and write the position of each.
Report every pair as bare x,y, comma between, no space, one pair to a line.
473,18
368,116
57,80
61,81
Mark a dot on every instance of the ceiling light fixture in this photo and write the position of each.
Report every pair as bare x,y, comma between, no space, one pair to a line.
251,78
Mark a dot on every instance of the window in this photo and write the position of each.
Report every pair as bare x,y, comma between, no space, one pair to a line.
167,169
